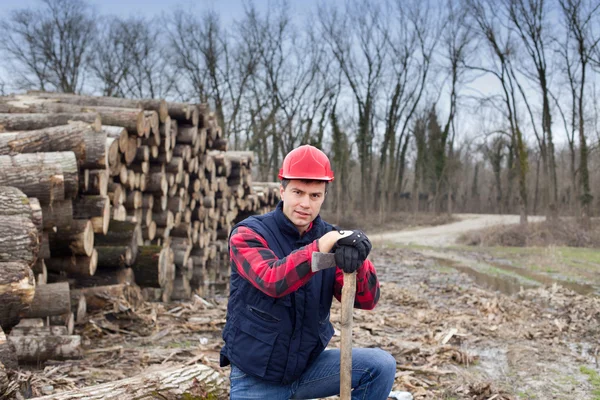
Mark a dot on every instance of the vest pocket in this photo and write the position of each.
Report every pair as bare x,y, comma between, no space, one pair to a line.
263,315
252,347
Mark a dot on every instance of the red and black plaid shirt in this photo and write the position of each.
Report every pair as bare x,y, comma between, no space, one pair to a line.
277,277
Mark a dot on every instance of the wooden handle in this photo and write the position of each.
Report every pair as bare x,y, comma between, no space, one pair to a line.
348,293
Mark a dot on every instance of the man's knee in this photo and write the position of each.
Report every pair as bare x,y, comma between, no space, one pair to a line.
387,362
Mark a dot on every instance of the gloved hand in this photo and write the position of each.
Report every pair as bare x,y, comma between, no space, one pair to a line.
359,240
348,258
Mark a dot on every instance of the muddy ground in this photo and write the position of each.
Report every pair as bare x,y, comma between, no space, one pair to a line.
462,323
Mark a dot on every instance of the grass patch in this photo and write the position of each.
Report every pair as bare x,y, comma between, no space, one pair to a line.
594,380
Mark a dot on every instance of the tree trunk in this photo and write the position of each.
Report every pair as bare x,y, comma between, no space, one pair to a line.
58,214
106,278
102,297
37,349
154,266
19,240
79,240
158,105
31,122
184,112
8,357
50,299
79,266
48,177
17,289
89,146
114,256
94,208
172,382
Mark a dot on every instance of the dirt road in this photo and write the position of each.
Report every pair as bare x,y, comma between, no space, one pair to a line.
446,235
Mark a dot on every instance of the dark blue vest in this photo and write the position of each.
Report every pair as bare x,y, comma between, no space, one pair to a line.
277,339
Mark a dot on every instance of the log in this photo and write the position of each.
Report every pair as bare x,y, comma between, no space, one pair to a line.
44,246
49,299
114,256
46,176
121,233
79,308
13,202
79,266
174,382
39,331
158,105
8,357
119,134
96,150
37,349
79,240
103,297
17,289
154,266
88,146
184,112
67,320
107,277
98,182
58,214
3,379
94,208
19,240
40,271
30,122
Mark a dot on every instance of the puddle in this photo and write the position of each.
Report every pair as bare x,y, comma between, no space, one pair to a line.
501,283
510,284
586,351
493,361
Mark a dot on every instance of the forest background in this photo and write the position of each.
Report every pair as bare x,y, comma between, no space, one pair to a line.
445,106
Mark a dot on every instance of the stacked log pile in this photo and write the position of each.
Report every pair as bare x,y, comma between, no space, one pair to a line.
98,194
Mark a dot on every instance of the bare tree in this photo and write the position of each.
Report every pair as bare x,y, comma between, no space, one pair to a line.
410,46
109,62
502,52
529,20
48,46
579,17
457,37
149,74
357,40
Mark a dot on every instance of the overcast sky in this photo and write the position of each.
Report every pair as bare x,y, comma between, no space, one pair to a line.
228,9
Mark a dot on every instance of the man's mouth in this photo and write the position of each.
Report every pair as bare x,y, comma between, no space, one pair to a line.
302,214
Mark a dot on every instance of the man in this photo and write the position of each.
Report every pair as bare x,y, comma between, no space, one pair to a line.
278,313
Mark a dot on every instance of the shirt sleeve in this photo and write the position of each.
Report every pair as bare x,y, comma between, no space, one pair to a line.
257,263
367,286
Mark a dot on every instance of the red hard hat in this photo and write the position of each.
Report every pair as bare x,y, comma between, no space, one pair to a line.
306,162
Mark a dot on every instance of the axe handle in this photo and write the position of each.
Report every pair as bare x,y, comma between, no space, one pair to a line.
348,293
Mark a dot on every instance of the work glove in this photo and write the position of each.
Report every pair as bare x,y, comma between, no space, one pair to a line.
349,258
359,240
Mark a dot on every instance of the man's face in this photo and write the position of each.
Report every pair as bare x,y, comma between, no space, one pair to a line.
302,202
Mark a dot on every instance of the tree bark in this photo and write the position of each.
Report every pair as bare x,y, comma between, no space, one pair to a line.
107,277
169,382
88,146
31,122
46,176
154,266
94,208
37,349
102,297
79,266
19,240
17,289
49,299
158,105
58,214
8,357
114,256
79,240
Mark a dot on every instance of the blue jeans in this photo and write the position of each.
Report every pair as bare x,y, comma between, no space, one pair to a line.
373,372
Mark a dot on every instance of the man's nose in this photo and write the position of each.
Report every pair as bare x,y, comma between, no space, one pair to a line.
304,202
